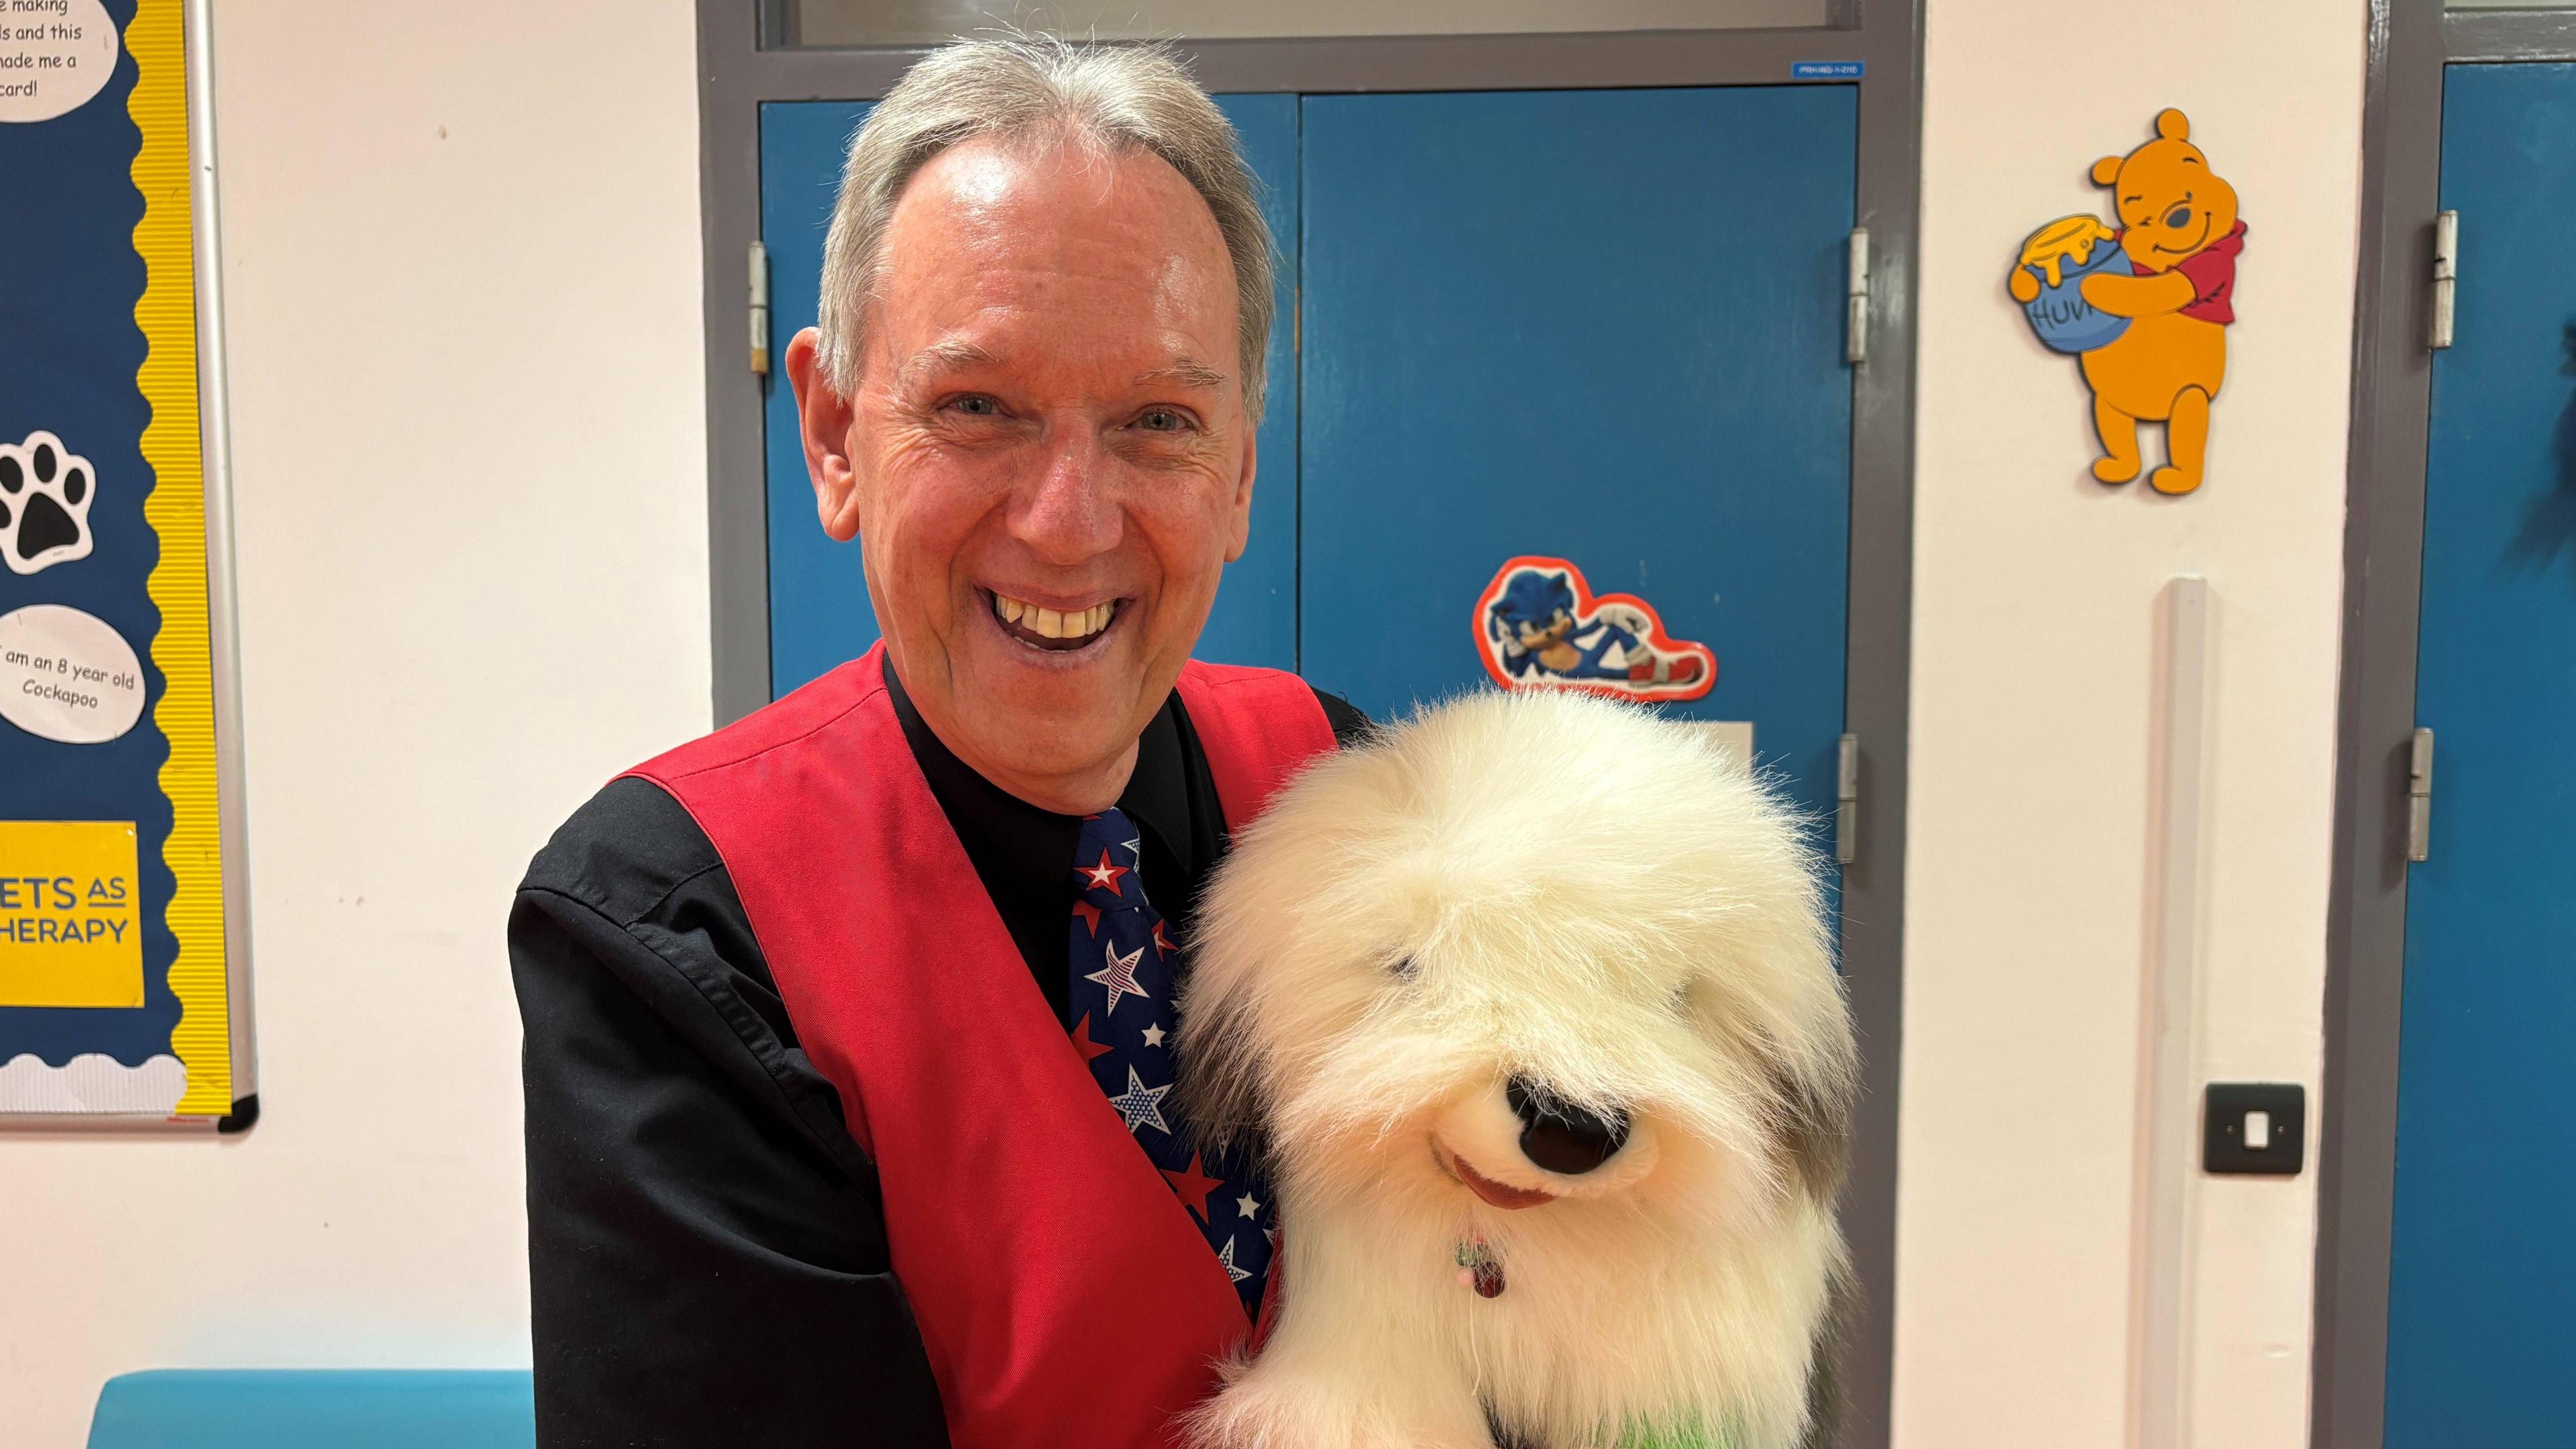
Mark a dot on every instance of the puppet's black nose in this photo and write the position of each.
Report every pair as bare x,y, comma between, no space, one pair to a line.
1562,1137
2178,218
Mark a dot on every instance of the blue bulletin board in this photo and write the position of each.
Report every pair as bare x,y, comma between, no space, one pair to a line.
122,982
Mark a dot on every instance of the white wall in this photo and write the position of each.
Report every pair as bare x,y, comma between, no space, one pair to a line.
462,271
2029,884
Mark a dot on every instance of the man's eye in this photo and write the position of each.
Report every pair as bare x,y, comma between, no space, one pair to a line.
976,405
1162,420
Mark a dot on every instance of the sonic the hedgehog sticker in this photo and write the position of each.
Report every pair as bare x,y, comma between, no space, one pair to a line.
1539,627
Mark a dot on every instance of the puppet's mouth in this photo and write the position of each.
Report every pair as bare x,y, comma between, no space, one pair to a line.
1496,1194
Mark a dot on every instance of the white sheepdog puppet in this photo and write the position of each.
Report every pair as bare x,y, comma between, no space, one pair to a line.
1533,1003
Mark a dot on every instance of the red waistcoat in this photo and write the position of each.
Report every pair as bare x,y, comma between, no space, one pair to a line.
1063,1293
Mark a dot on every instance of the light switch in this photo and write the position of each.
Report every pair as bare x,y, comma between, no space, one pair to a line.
2254,1127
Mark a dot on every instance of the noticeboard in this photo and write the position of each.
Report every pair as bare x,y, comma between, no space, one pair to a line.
122,973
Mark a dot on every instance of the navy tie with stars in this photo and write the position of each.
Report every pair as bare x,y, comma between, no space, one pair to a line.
1123,969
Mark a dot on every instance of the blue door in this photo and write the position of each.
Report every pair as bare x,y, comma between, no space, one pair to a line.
1599,326
2482,1271
818,597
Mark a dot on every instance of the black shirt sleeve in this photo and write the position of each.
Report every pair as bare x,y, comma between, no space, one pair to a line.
1350,727
707,1256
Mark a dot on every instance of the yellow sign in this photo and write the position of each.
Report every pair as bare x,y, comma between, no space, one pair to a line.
70,920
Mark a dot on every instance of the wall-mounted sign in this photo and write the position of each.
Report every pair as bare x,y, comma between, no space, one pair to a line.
2143,301
1538,626
120,921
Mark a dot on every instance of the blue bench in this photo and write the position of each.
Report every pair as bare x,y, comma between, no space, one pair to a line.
316,1409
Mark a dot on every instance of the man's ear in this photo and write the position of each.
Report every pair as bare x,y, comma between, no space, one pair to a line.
1239,530
2107,170
823,420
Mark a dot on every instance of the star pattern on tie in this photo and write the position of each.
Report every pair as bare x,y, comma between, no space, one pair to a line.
1141,1105
1124,964
1104,876
1191,1186
1082,1042
1119,976
1225,1256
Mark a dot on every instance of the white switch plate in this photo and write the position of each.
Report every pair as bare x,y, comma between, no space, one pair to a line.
1735,736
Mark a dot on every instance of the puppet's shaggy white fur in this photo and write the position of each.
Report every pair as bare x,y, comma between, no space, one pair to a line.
1565,892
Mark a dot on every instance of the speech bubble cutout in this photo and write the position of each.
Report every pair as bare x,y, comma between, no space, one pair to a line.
67,676
54,56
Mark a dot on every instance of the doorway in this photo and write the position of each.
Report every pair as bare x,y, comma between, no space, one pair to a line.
1583,296
2444,1264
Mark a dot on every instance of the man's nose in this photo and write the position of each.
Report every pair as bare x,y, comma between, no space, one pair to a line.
1071,517
1562,1137
2178,218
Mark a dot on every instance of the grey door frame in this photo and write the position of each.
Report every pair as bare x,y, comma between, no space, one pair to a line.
2411,42
736,76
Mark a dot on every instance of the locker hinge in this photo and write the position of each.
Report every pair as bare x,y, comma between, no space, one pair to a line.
1847,801
2446,275
2419,797
759,309
1856,299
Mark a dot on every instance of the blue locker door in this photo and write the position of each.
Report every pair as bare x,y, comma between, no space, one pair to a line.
2482,1271
818,601
1605,326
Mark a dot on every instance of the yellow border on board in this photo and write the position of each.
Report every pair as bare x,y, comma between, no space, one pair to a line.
176,510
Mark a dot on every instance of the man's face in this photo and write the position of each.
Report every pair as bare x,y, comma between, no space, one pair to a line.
1046,460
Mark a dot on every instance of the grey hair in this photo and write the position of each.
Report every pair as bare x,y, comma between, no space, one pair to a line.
1123,98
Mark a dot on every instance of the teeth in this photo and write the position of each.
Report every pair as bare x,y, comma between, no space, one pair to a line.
1052,623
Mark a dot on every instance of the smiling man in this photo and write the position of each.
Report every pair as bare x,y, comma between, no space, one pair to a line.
847,1076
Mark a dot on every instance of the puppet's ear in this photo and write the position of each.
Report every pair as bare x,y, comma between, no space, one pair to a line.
2173,125
2106,170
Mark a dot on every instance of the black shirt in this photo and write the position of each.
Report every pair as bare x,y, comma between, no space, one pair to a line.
706,1246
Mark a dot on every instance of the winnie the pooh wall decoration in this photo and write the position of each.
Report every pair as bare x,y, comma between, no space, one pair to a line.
2143,305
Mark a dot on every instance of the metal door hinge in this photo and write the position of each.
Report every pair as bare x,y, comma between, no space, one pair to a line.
2419,797
759,309
1847,801
1856,299
2446,276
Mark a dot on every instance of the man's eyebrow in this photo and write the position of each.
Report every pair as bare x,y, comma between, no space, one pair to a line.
951,355
1187,371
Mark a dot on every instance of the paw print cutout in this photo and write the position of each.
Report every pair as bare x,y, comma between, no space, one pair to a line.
45,493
